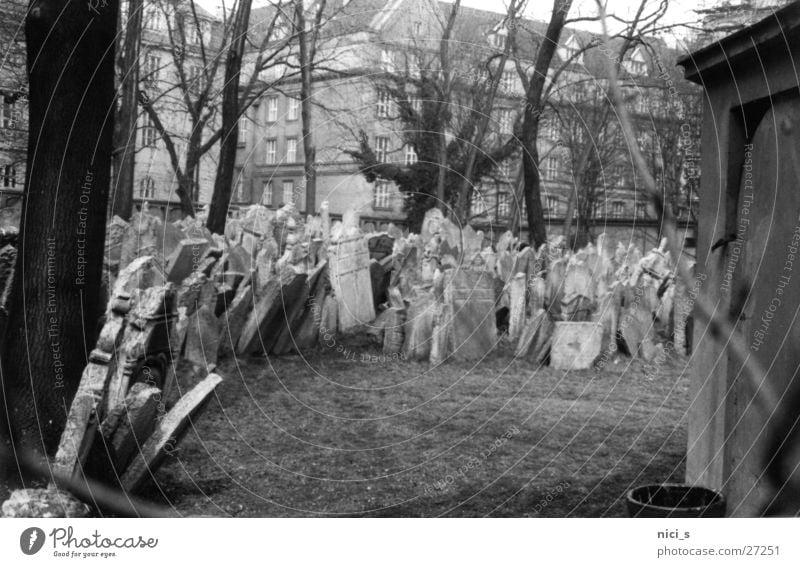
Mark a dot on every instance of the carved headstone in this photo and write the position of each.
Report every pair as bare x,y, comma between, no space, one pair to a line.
167,435
348,262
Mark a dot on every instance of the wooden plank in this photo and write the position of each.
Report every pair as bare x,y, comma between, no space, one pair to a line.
168,434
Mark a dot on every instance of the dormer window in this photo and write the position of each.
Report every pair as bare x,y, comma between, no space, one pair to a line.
570,51
636,64
498,37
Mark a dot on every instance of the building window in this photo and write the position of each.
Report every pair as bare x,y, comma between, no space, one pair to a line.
272,109
551,168
617,209
9,118
478,203
387,60
9,176
147,188
291,150
416,29
272,151
384,103
551,206
152,66
618,176
154,19
507,81
551,129
503,204
266,193
242,130
505,121
288,191
641,210
382,195
498,39
381,149
410,155
294,109
149,132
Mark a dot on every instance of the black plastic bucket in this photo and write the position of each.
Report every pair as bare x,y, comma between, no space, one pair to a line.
675,501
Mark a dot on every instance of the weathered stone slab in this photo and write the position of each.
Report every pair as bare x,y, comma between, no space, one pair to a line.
202,338
516,292
635,327
529,332
234,319
575,345
265,321
168,434
472,300
128,426
418,327
294,308
380,246
348,262
308,328
186,258
86,409
44,503
393,336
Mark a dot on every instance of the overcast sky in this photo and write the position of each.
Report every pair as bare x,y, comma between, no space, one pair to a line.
679,11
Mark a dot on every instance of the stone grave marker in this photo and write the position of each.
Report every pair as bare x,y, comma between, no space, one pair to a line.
350,278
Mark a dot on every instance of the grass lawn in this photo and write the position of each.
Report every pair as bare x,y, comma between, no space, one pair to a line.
329,435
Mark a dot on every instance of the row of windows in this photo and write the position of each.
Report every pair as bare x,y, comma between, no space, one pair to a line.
155,19
382,151
10,115
9,173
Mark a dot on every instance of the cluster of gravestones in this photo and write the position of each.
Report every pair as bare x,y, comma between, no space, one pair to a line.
459,295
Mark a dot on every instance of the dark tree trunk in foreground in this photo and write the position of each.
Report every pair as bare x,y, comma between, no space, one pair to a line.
55,306
125,141
530,126
223,182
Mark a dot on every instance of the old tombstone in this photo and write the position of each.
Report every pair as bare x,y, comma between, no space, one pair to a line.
308,327
128,426
43,503
517,292
471,298
575,345
234,318
267,319
186,258
202,338
351,282
167,435
116,231
293,312
143,237
418,327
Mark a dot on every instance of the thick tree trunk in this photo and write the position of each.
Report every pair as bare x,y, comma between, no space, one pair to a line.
530,124
125,134
54,307
309,149
223,182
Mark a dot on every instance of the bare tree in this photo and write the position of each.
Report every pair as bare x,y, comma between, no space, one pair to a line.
447,110
198,51
220,199
125,124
